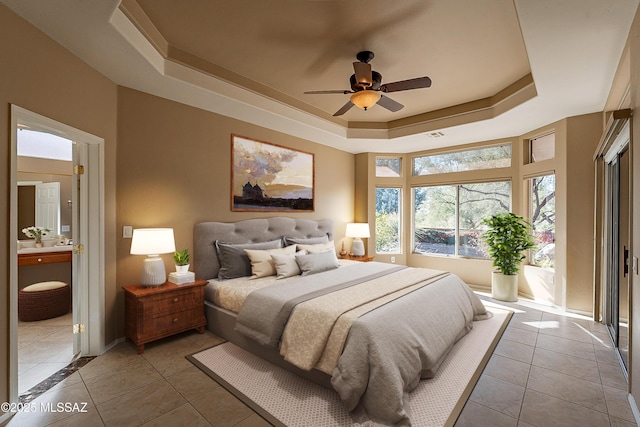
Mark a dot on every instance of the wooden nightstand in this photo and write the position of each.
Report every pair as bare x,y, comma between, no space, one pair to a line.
157,312
364,258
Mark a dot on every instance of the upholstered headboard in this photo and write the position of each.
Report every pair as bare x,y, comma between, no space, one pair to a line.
205,259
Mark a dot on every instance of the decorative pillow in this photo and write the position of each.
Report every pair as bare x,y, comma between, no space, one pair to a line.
261,263
317,262
234,262
317,248
286,265
305,240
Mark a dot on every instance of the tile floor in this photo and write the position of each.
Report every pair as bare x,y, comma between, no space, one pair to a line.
44,347
548,369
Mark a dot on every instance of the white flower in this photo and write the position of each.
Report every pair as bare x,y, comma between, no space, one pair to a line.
36,232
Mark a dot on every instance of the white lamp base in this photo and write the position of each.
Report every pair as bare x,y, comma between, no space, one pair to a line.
153,272
357,247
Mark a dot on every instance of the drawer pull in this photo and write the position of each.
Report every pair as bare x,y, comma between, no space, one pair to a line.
175,300
175,320
39,259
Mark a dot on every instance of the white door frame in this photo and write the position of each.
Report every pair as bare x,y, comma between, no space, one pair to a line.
91,290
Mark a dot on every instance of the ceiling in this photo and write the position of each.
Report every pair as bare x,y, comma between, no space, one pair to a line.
499,68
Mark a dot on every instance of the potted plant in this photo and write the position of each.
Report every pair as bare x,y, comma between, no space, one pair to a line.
508,236
182,260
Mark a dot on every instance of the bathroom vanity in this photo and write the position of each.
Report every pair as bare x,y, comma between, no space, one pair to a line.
44,264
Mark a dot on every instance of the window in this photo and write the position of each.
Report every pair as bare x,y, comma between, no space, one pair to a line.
542,194
388,167
542,148
459,161
447,219
388,220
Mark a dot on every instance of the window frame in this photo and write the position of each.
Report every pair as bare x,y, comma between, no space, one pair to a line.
457,185
461,150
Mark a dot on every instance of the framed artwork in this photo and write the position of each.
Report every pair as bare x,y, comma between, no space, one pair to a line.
269,177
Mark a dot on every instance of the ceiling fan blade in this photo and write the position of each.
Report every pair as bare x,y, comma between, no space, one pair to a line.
346,107
417,83
363,74
316,92
390,104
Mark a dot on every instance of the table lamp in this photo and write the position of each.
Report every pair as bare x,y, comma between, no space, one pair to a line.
152,242
357,230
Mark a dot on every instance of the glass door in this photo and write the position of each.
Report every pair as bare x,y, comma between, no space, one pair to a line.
617,232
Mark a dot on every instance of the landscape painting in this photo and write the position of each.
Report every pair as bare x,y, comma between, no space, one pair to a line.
269,177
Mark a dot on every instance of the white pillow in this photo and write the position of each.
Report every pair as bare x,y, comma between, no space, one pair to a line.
286,265
318,262
318,248
261,263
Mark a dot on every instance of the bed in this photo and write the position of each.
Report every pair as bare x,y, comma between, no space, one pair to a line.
371,331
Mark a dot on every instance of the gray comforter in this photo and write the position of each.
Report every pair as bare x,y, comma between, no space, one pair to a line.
389,349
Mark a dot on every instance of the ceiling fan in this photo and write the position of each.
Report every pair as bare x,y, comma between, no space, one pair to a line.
366,88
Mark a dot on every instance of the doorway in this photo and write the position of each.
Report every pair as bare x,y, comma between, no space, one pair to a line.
87,229
617,240
45,328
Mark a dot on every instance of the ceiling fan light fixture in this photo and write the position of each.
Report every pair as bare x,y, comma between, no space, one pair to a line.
365,98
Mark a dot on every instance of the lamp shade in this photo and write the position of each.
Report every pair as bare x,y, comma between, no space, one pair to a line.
365,98
152,241
358,229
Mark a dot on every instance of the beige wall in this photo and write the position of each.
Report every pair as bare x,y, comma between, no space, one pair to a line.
583,135
174,170
41,76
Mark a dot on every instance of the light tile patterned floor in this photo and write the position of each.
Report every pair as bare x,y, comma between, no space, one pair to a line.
548,369
44,347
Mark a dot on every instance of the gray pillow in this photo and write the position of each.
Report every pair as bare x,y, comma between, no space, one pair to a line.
234,261
288,241
317,263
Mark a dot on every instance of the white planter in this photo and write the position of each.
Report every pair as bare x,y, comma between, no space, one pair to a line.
504,287
182,268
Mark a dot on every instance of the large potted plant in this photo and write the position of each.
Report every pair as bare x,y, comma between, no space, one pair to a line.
508,236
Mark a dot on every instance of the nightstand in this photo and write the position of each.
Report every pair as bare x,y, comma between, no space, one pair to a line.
157,312
364,258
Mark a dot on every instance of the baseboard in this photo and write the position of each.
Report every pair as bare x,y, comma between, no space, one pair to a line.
112,344
6,417
634,408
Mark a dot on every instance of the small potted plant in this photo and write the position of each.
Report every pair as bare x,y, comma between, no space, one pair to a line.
36,233
182,260
508,236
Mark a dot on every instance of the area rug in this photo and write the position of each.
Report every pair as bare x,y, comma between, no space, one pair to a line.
285,399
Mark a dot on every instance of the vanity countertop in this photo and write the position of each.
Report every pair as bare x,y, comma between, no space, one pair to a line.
46,249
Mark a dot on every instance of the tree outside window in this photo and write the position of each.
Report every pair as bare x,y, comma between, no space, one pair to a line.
388,220
448,219
543,218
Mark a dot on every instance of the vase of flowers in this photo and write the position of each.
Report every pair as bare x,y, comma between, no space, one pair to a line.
36,233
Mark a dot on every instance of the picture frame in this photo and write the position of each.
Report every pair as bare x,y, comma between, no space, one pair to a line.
268,177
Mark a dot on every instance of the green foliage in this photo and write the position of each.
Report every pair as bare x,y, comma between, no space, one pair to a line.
181,257
387,238
508,236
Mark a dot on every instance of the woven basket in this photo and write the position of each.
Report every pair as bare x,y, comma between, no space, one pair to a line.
45,304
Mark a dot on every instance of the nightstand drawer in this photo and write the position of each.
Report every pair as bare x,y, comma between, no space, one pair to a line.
171,303
175,321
